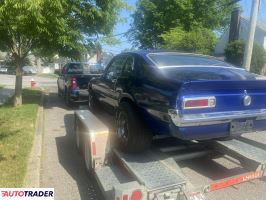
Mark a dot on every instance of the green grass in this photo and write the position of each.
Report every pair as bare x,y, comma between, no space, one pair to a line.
53,76
1,86
17,130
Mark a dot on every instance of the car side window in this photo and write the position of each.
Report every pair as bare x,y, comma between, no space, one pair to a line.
115,69
64,69
129,66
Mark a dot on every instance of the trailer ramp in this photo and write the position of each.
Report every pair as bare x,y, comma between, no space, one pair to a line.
255,156
156,175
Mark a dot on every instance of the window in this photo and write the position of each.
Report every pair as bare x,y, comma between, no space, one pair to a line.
174,59
129,65
206,73
115,69
75,68
64,69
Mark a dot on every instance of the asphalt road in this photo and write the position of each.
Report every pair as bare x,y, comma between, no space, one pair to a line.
9,81
63,168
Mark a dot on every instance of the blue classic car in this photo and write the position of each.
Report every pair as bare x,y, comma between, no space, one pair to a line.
189,96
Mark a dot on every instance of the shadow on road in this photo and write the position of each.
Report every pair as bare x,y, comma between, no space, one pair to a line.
73,162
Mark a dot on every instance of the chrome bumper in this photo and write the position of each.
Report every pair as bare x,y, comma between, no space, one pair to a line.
213,118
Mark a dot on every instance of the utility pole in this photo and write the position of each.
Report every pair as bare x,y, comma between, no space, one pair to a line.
251,34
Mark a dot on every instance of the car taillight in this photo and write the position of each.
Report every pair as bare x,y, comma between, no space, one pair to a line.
202,102
73,83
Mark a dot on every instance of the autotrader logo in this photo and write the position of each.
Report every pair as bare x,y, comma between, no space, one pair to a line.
27,193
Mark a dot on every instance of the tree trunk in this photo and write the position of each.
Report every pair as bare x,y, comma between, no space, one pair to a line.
18,86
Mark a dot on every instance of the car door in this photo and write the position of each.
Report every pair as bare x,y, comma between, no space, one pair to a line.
124,83
109,79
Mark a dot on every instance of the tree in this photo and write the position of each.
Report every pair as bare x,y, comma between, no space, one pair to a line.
155,17
198,40
234,53
52,26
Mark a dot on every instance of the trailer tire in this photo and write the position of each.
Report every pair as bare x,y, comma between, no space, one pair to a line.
78,139
132,135
87,157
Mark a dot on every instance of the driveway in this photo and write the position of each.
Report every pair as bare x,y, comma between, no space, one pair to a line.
62,166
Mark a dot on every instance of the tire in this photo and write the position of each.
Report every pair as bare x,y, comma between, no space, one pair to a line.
68,101
78,138
87,157
132,135
59,93
93,103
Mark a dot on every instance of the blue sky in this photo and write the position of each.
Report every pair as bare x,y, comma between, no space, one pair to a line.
123,27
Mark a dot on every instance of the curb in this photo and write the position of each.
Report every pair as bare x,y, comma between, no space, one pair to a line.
32,179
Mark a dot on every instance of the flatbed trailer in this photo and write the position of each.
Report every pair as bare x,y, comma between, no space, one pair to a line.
155,174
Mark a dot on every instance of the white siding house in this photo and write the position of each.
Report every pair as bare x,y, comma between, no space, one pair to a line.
260,35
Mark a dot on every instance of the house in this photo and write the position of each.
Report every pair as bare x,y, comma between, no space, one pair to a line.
241,27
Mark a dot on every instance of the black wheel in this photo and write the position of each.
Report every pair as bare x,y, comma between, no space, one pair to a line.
87,157
93,103
132,135
59,93
68,101
78,137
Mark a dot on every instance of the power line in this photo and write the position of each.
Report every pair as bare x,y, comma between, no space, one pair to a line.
110,36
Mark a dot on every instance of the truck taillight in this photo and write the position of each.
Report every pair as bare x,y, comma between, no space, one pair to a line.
199,102
73,83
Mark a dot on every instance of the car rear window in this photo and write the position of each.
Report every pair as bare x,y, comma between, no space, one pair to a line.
206,73
81,68
174,59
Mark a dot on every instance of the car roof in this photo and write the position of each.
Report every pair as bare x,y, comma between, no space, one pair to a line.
161,51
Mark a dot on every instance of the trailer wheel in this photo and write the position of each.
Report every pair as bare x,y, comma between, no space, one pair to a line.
78,141
87,156
132,135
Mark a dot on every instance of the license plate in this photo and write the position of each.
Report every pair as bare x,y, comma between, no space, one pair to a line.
238,127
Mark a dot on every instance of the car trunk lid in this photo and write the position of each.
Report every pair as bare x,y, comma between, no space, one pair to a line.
229,95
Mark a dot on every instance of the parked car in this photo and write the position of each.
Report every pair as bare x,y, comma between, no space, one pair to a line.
11,70
188,96
73,81
3,70
28,70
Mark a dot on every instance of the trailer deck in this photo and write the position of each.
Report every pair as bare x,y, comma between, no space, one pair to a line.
155,174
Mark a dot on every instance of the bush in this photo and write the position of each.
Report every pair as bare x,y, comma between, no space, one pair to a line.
234,53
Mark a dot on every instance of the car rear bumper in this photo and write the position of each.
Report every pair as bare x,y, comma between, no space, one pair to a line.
206,132
213,125
189,120
79,95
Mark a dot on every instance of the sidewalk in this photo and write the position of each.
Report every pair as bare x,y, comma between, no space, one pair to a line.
5,94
